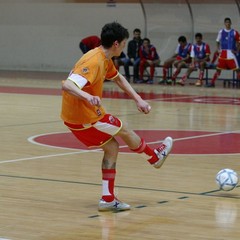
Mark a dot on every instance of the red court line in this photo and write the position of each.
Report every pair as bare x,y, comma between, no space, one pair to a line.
121,95
30,90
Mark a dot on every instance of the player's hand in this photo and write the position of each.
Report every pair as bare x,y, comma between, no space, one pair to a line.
144,107
150,62
94,100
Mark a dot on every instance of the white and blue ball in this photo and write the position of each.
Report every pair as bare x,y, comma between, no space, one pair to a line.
227,179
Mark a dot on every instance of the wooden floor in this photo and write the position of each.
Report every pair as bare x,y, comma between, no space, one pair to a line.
49,189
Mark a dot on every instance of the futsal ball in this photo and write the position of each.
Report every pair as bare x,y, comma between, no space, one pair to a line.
226,179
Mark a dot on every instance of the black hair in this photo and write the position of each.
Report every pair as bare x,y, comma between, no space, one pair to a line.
227,19
182,39
198,35
146,39
112,32
137,30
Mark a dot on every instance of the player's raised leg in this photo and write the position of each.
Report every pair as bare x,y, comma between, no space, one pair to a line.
155,157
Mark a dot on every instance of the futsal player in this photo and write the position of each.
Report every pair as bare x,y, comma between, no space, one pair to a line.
228,42
84,115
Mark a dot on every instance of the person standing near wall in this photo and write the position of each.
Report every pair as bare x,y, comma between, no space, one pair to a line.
228,44
89,43
133,53
83,113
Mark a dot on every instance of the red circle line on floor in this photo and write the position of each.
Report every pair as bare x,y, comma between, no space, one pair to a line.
185,142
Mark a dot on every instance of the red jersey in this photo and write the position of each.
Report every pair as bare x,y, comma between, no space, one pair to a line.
91,42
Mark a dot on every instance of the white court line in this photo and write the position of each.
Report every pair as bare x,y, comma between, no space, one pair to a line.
47,156
98,150
206,135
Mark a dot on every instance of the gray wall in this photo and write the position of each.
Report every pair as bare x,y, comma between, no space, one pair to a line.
44,36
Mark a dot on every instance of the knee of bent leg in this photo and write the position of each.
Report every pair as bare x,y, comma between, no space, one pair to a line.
111,146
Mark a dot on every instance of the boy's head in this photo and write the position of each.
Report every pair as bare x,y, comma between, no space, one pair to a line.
227,22
137,33
146,42
198,38
113,32
182,39
227,19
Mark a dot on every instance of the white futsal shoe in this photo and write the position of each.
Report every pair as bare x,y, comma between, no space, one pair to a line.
162,151
114,206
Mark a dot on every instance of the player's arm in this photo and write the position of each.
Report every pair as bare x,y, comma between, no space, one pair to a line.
74,85
189,53
207,53
142,105
207,58
237,37
192,55
218,40
185,59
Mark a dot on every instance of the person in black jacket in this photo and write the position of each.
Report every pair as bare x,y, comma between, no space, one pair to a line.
133,53
122,60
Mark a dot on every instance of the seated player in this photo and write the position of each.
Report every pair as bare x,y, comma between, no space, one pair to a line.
148,57
180,59
200,53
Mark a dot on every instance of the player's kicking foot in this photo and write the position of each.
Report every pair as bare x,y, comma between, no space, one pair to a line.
113,206
162,152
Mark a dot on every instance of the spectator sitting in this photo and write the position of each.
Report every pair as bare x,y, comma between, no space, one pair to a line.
122,60
89,43
179,60
133,52
200,53
148,57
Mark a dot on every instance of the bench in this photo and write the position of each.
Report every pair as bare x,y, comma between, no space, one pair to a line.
231,82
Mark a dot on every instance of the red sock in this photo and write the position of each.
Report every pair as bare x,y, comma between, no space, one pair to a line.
165,71
152,69
144,148
215,77
141,68
215,56
108,177
175,74
184,77
238,75
201,74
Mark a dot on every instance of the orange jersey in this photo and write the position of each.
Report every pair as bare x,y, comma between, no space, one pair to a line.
95,67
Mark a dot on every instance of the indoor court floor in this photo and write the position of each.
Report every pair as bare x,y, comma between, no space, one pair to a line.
51,184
